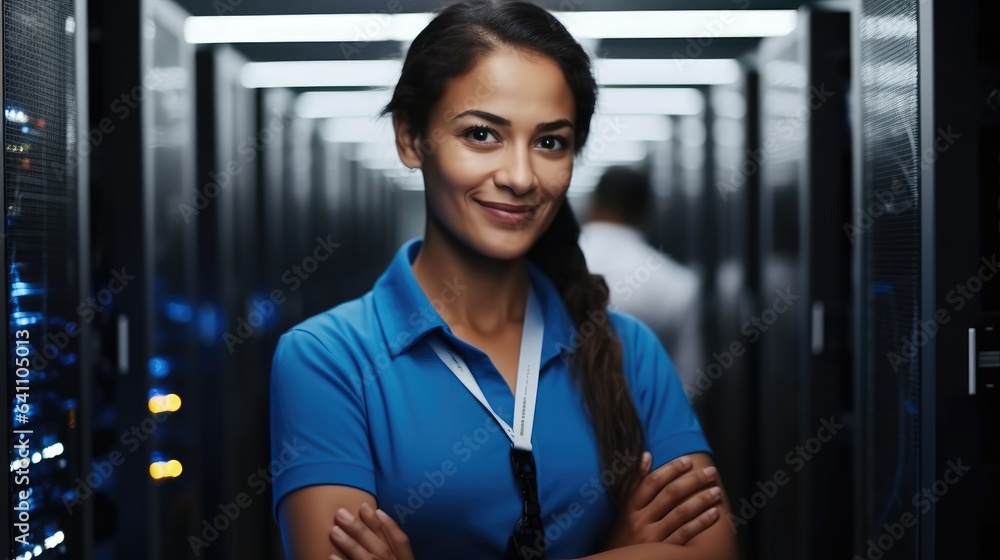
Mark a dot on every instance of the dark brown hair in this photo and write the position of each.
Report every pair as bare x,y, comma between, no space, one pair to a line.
450,46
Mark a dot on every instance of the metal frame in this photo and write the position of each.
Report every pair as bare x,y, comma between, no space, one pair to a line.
83,249
862,405
5,417
928,270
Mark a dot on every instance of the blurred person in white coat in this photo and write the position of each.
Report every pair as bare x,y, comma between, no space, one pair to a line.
642,280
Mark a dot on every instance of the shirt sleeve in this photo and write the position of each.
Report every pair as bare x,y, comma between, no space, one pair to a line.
672,428
319,428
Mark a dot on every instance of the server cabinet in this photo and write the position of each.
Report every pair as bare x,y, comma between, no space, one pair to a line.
724,388
48,300
144,209
237,308
948,502
888,259
801,323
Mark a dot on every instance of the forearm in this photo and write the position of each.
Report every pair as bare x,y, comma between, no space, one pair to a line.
663,551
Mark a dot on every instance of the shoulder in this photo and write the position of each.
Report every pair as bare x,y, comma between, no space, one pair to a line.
642,349
638,339
336,335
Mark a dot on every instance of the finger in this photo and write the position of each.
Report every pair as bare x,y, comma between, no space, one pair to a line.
361,534
694,528
690,509
347,546
367,514
397,538
681,489
655,481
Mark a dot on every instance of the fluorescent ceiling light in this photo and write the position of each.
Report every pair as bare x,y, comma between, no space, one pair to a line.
380,155
329,104
412,183
385,73
321,73
666,71
356,28
650,101
678,24
359,130
363,28
648,127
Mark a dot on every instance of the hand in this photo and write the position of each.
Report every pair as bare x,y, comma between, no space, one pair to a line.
375,536
672,504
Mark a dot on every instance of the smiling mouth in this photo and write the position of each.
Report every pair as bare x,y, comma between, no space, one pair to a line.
508,214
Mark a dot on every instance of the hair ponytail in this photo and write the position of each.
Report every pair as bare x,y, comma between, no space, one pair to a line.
597,361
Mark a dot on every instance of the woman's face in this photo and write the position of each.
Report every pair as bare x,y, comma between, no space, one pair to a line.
498,153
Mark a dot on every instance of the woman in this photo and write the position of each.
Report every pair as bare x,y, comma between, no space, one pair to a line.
421,397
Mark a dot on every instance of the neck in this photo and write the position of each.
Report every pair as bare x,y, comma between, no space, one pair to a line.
602,215
491,292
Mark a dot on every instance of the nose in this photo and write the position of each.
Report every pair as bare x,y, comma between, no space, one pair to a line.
516,172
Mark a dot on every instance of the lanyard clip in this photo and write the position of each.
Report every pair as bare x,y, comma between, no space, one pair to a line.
523,462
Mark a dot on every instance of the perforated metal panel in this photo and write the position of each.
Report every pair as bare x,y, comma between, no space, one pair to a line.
889,230
42,268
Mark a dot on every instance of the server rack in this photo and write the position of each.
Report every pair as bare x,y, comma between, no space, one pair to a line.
143,206
957,157
237,309
804,374
45,252
725,390
891,396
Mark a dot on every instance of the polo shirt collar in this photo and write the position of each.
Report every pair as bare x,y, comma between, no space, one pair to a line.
405,314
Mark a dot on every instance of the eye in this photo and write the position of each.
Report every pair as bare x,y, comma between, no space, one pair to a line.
480,134
552,143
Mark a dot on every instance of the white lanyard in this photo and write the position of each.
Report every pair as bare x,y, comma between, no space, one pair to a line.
527,373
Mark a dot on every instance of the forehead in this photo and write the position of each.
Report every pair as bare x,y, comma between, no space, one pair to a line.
515,85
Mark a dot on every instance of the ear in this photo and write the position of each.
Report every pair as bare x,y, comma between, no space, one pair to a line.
406,143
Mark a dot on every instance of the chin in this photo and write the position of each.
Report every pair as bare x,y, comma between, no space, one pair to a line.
503,245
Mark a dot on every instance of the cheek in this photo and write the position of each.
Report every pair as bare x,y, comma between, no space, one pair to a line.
555,175
461,169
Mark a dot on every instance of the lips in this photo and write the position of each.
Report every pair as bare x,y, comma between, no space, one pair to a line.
508,214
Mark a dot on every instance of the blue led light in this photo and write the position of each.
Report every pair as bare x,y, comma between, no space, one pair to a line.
882,288
209,325
22,318
159,367
179,311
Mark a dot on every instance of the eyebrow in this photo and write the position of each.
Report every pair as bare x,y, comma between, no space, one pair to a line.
498,120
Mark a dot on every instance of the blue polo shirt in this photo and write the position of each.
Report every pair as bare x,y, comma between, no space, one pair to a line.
359,398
